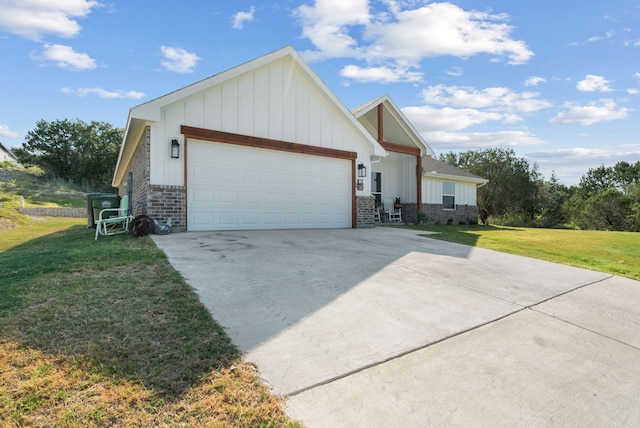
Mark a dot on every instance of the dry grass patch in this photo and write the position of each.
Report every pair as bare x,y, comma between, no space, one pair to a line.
38,389
106,333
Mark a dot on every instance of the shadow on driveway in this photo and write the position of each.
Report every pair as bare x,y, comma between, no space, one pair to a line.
310,306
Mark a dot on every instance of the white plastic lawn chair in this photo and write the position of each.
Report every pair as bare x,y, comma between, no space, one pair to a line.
393,215
112,221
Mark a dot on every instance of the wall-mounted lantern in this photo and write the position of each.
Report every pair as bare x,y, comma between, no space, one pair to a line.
360,184
175,148
362,170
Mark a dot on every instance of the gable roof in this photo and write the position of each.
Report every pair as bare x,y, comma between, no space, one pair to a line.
151,111
397,130
432,167
8,152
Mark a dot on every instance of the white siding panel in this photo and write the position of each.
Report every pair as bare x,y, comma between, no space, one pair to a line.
237,188
302,112
277,101
213,108
432,191
274,109
247,97
230,105
261,102
290,108
195,110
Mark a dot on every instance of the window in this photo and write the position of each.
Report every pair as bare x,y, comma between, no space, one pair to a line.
448,195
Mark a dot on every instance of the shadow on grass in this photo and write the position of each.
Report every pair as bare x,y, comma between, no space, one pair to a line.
116,304
460,234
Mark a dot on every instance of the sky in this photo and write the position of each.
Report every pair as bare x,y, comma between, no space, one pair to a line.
556,81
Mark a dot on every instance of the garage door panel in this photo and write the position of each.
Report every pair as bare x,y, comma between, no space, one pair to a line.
234,187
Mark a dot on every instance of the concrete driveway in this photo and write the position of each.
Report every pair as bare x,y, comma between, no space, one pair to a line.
382,327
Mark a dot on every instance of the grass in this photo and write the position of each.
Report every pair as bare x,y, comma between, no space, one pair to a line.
617,253
106,333
17,182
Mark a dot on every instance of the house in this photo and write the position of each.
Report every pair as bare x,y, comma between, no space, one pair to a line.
6,155
267,145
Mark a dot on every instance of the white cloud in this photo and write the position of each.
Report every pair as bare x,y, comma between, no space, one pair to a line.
103,93
609,34
455,71
241,17
430,119
178,59
405,35
380,74
594,83
65,57
604,110
326,25
473,140
633,91
497,99
570,164
7,133
444,29
33,19
534,81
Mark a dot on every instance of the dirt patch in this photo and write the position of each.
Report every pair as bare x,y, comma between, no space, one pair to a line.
6,224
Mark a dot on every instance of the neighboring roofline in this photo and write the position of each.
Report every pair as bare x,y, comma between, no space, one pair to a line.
8,151
150,111
400,118
477,180
435,168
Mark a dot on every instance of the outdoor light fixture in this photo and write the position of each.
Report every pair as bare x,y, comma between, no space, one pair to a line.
175,148
360,184
362,170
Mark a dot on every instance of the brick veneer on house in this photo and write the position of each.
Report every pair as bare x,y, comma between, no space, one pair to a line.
364,211
463,213
168,202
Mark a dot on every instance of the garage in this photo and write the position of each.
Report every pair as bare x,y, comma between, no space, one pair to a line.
234,187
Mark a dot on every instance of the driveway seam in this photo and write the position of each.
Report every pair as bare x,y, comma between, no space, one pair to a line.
403,354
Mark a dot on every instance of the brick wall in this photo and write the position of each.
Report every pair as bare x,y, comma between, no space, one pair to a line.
463,213
168,202
54,212
364,211
140,168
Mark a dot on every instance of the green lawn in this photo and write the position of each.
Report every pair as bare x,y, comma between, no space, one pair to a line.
107,333
617,253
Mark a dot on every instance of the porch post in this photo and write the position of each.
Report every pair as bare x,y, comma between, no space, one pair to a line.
419,181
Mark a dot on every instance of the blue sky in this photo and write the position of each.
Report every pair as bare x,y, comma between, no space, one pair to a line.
558,81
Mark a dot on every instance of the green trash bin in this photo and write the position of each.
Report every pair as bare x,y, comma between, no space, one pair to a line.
103,201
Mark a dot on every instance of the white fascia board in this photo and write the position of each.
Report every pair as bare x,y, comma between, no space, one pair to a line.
409,128
402,120
480,181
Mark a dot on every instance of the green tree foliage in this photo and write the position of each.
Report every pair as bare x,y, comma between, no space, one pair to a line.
85,153
512,189
608,198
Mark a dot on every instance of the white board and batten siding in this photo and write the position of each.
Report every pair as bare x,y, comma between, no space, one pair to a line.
232,187
432,191
276,101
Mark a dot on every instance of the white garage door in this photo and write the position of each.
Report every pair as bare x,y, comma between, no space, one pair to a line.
232,187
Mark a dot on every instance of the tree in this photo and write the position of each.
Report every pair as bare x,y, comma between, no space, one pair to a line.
605,209
73,150
608,198
554,201
512,188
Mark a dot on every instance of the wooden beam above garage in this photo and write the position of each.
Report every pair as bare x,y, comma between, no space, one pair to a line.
264,143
